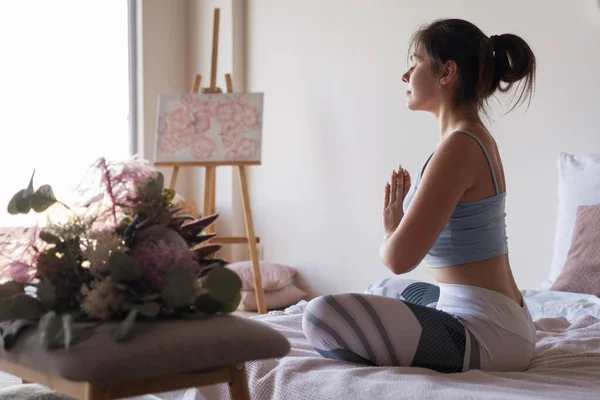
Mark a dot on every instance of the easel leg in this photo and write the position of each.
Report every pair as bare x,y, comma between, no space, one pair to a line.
174,176
210,195
260,294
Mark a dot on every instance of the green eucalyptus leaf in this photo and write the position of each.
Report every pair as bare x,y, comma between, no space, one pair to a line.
5,309
150,309
67,328
231,305
49,328
57,332
222,284
20,203
42,198
159,182
19,306
10,288
179,289
123,330
46,294
30,186
11,332
123,267
206,304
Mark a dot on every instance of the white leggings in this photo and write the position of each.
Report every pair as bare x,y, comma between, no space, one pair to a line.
403,322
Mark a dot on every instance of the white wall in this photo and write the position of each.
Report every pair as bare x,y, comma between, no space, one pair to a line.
162,66
336,125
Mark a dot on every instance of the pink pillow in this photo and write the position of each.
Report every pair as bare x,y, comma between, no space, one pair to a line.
581,273
274,276
287,296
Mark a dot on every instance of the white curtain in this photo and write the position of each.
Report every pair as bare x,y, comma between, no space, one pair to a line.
64,93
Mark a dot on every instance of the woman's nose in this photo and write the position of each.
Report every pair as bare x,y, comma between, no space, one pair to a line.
405,77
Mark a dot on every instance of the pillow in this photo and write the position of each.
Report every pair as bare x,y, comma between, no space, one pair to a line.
287,296
581,272
274,276
578,184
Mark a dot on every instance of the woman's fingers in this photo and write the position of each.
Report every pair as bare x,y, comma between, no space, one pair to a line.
407,183
400,185
386,200
394,186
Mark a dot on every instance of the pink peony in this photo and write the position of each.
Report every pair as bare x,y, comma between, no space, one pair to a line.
156,257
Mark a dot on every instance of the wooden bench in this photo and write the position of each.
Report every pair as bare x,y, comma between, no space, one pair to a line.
161,356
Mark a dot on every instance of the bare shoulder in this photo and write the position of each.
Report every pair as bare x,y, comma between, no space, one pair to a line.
455,156
479,144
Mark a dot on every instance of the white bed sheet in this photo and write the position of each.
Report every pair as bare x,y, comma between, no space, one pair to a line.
566,364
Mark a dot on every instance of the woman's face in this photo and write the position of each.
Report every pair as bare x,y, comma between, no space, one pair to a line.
423,92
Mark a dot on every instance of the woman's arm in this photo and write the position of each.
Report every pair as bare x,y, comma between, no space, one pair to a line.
449,174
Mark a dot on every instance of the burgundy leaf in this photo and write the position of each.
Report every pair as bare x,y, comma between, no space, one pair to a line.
207,250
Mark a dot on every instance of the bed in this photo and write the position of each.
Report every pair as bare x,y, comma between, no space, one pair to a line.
566,364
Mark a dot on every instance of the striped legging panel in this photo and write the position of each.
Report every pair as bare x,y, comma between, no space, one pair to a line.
390,330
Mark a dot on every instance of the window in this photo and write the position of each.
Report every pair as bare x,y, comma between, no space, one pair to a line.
65,93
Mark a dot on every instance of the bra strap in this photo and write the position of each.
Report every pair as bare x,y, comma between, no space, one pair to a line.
486,156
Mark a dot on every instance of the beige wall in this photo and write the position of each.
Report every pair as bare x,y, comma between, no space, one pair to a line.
336,125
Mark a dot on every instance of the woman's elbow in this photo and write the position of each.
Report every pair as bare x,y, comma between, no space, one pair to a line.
400,268
397,265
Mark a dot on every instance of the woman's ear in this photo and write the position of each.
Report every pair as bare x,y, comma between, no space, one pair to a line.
449,73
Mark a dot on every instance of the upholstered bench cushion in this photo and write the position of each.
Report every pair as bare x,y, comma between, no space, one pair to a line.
156,348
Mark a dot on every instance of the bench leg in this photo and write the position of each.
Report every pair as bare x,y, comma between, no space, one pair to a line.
238,387
95,392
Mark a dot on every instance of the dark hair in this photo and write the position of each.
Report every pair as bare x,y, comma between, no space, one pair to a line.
484,63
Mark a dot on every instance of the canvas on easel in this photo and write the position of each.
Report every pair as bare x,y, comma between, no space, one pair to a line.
208,128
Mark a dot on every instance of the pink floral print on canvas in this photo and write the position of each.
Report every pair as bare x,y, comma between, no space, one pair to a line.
209,127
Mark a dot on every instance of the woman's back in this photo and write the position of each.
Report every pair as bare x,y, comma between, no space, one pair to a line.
489,186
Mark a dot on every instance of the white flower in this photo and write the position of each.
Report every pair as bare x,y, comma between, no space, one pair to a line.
102,300
101,246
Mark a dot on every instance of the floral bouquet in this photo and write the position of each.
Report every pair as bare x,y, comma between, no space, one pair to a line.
123,254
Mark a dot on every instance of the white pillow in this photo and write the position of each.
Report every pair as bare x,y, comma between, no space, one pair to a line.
578,184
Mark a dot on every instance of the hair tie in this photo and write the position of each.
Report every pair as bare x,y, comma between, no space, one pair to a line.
493,41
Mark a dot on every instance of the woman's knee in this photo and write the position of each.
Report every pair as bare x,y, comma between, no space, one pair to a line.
314,321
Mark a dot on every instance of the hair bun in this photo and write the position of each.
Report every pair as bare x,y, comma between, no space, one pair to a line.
515,57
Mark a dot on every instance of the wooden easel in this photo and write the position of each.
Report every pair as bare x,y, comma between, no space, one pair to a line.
210,178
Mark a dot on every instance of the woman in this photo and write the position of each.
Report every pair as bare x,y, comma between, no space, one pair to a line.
452,219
